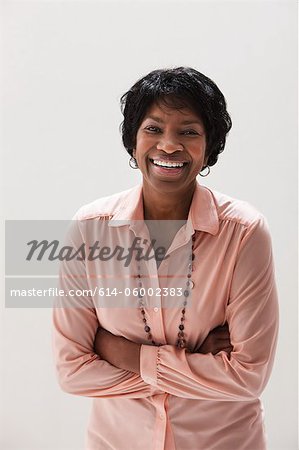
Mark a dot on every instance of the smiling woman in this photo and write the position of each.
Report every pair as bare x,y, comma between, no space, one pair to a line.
170,152
173,117
184,368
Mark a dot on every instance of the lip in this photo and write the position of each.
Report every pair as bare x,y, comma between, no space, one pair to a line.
175,160
159,170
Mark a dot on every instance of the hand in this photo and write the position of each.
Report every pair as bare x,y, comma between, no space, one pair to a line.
117,350
105,343
218,339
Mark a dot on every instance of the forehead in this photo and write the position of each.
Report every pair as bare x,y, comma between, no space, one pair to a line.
161,112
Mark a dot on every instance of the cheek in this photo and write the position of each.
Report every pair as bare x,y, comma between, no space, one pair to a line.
198,153
143,144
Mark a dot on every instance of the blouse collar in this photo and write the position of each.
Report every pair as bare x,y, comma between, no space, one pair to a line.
203,214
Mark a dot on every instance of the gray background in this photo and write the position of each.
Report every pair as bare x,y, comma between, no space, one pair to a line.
65,66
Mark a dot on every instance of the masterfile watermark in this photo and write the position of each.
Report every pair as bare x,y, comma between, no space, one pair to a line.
54,251
88,263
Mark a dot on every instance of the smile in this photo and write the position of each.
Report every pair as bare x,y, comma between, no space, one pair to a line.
168,164
168,169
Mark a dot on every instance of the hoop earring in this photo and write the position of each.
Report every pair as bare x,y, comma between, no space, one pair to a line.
133,163
209,170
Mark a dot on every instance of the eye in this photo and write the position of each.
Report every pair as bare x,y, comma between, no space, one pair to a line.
189,132
152,129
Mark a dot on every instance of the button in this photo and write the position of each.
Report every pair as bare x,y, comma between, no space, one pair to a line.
156,309
161,416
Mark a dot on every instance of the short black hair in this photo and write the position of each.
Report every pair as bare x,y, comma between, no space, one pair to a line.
177,88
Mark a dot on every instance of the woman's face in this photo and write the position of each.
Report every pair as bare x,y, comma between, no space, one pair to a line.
171,137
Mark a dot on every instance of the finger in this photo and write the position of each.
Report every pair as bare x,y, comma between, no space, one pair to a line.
227,349
220,336
223,329
223,343
220,328
223,337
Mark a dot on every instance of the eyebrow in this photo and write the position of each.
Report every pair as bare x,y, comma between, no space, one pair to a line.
185,122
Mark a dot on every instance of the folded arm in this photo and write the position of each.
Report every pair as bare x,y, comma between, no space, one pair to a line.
80,370
252,316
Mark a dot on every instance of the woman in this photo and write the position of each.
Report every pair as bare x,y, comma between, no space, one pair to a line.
172,370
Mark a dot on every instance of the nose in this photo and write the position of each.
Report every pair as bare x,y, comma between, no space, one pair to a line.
169,144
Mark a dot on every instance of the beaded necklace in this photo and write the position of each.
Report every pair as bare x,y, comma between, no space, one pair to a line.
181,341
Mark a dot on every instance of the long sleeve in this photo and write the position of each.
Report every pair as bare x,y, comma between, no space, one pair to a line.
80,371
252,315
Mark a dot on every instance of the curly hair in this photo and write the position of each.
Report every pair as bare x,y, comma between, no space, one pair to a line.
177,88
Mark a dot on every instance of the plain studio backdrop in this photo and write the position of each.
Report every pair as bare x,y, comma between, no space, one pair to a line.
66,64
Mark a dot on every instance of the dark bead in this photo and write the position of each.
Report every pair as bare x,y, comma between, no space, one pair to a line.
153,342
147,328
193,256
139,276
185,303
183,319
183,310
143,312
186,293
181,327
144,319
189,275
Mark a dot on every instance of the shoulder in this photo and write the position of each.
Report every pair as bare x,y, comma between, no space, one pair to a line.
105,207
241,217
234,209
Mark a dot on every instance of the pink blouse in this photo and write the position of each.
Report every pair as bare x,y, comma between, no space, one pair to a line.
181,400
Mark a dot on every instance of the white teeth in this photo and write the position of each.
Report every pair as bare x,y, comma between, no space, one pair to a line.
167,164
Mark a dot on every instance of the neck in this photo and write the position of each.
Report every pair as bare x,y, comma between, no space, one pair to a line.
170,206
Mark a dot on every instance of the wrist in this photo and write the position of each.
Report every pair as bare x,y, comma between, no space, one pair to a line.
130,356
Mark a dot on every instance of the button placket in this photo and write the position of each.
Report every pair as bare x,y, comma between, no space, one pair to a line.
161,424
